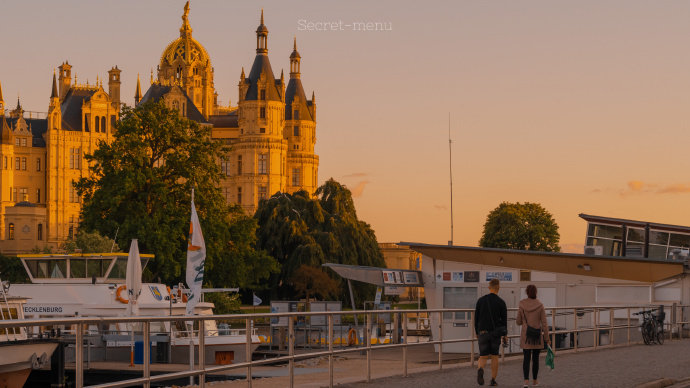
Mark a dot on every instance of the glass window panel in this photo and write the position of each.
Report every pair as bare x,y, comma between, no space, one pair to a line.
680,240
657,251
97,267
660,238
119,269
636,235
58,268
607,231
611,247
635,250
77,268
459,297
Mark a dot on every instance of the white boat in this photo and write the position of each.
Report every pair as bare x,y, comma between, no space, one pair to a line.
19,354
93,285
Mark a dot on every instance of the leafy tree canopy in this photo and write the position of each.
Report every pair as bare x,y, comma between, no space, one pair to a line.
311,281
523,226
141,184
297,230
90,242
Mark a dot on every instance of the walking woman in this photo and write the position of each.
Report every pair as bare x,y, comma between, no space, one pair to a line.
532,317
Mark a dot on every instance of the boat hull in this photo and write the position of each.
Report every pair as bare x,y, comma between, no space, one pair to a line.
18,358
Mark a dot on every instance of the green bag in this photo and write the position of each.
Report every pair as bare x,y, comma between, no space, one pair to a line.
549,357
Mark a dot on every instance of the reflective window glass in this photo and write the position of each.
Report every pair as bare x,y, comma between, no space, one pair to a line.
680,240
607,231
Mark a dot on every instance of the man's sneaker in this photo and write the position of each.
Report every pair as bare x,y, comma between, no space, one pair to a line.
480,376
493,382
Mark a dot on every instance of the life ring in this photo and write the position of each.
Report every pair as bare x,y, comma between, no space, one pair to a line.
119,297
351,337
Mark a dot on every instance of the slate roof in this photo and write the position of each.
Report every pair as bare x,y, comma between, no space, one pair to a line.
224,121
37,127
157,91
262,66
71,107
295,88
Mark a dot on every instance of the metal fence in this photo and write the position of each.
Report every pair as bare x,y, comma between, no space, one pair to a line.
616,324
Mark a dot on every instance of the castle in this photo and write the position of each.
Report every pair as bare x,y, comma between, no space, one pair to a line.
271,133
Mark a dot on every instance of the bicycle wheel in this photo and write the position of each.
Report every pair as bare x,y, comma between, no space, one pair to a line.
646,333
660,333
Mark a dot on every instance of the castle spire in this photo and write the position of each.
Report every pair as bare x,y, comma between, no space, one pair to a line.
186,29
262,36
295,61
137,94
54,93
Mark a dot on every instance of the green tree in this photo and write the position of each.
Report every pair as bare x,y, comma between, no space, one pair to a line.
90,242
523,226
141,184
12,269
298,229
311,281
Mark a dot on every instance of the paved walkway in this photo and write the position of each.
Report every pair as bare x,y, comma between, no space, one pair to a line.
617,367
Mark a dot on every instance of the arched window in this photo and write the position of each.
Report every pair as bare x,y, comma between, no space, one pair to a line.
39,232
10,232
97,125
103,124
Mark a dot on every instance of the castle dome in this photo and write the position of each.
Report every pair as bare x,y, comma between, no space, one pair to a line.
185,48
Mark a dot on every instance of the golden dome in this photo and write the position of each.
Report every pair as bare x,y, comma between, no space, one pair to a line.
185,47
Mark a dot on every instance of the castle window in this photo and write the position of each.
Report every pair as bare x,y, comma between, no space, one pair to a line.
295,114
86,123
103,124
239,165
295,130
16,142
23,142
262,130
112,121
24,194
75,158
97,125
263,164
24,164
13,197
262,93
10,232
73,195
39,232
38,164
295,177
262,113
239,195
262,192
17,163
5,163
38,195
225,167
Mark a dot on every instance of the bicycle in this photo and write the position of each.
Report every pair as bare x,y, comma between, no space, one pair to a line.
652,327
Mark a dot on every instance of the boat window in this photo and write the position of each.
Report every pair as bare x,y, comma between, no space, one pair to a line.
77,268
97,267
8,314
54,269
119,270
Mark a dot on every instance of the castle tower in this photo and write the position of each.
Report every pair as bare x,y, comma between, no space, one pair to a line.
137,94
65,79
185,62
114,86
261,150
54,113
300,131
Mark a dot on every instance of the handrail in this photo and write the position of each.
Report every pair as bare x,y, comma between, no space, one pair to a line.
598,324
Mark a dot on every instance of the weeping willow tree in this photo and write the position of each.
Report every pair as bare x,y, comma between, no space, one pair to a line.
297,229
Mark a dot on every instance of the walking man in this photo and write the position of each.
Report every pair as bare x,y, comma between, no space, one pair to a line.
490,324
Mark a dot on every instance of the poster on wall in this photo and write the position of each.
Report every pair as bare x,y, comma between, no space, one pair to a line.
502,276
471,276
446,276
457,276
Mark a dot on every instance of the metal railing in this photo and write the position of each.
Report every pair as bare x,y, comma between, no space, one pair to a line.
618,320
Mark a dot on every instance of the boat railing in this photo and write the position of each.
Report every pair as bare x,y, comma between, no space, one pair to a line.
573,328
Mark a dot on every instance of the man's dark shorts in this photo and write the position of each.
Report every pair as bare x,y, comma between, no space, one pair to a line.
488,344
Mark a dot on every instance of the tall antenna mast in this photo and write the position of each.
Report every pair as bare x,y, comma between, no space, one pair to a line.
450,168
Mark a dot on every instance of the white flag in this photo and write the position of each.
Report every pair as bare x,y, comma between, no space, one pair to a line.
133,278
196,257
256,301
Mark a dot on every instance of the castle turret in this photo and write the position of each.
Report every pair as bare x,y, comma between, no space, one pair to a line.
54,113
65,79
114,86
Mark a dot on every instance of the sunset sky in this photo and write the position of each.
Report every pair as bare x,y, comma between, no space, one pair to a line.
581,106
